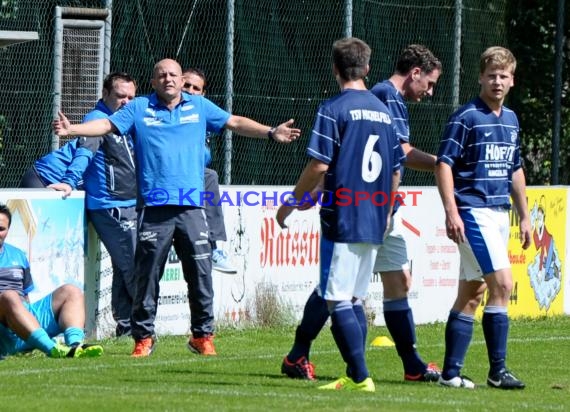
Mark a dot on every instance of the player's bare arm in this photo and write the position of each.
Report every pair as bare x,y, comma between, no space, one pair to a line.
316,193
94,128
518,194
308,181
445,186
284,133
396,178
417,159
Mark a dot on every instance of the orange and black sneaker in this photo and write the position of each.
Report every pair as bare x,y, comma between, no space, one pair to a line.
431,374
143,348
202,346
301,369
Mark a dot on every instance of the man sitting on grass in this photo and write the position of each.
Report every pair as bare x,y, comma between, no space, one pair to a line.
25,326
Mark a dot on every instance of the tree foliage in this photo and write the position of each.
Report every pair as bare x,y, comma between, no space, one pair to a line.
531,37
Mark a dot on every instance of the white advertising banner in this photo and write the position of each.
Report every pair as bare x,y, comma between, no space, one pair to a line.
287,261
434,259
265,256
53,234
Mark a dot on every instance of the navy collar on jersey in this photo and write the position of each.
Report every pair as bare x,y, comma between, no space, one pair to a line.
102,107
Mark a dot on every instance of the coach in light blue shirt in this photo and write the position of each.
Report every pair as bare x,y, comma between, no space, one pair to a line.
169,128
170,137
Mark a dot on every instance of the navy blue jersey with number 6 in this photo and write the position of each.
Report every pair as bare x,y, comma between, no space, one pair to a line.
354,134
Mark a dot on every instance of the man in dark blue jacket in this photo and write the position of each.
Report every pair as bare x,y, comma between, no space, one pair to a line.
107,167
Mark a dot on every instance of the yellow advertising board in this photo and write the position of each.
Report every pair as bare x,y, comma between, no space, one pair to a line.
539,270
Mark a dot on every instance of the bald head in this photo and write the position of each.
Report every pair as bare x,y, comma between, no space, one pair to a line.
167,81
166,65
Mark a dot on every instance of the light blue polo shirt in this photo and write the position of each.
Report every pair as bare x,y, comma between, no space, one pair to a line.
170,146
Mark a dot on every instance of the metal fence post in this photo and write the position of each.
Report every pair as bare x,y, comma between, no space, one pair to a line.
348,18
458,17
557,93
227,178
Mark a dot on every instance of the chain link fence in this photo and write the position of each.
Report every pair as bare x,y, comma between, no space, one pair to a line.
266,59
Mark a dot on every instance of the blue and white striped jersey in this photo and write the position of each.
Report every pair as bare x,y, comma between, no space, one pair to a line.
395,103
353,134
483,150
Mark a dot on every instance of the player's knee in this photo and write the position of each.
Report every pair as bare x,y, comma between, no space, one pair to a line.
69,291
506,287
501,291
474,303
396,284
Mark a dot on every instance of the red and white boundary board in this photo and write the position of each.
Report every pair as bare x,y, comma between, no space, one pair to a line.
288,260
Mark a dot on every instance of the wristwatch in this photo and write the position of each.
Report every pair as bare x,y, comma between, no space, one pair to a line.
270,133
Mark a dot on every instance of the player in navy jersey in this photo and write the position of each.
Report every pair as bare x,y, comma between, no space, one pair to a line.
25,326
354,146
417,72
478,170
169,129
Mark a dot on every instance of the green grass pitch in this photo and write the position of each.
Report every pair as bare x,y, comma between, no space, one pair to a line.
245,376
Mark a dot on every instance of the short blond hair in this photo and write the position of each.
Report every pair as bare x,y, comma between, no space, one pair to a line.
497,56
